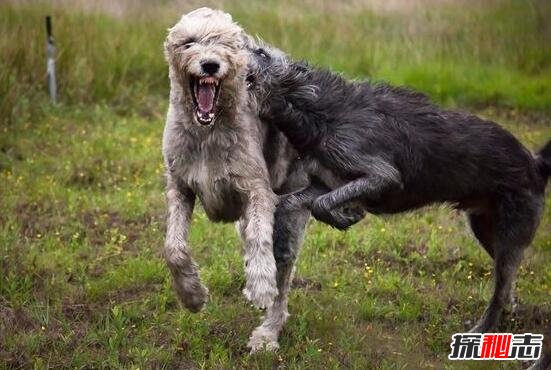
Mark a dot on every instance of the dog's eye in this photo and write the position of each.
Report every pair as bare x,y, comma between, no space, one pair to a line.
187,44
262,53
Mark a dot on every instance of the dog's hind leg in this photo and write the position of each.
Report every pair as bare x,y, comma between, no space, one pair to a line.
289,228
482,225
506,265
517,218
383,178
290,220
545,360
302,198
544,363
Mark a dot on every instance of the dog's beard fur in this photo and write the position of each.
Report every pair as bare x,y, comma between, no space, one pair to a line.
207,36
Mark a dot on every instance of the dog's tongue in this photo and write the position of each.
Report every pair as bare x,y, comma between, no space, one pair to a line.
205,97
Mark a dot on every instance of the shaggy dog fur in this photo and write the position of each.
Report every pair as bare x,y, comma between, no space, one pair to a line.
214,149
545,360
384,150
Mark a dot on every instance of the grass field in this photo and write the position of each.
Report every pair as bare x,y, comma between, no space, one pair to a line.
82,281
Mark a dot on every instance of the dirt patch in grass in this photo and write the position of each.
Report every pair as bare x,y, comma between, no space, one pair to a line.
180,360
36,218
15,320
383,344
229,332
17,359
78,311
426,266
180,348
84,178
133,294
306,284
104,227
104,174
528,318
99,228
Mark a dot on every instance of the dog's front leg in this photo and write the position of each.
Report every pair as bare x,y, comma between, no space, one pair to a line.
260,267
187,284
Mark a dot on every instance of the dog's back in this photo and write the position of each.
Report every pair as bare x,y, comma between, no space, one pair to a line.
442,155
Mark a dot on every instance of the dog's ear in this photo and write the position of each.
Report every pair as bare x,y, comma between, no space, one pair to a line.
174,34
168,44
208,12
166,49
227,15
203,12
247,41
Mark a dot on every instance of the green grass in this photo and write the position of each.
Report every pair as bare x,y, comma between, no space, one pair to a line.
82,281
471,54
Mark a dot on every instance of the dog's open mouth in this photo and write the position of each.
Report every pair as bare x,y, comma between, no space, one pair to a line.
204,91
250,80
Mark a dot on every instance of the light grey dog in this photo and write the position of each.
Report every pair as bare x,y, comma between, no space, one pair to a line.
215,148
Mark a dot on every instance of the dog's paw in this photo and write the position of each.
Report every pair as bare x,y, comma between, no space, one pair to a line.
341,219
261,287
263,339
192,294
353,214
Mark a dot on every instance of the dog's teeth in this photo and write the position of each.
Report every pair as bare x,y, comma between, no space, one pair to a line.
208,80
211,115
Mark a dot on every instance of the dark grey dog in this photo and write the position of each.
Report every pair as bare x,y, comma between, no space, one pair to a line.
383,150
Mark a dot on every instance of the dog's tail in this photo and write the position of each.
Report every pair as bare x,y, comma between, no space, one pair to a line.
543,160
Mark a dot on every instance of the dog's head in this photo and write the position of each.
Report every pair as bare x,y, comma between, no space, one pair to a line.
266,63
206,56
274,80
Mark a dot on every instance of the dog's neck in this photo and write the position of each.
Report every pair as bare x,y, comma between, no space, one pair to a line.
301,127
288,100
302,135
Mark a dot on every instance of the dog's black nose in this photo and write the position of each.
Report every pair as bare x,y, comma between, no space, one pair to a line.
210,67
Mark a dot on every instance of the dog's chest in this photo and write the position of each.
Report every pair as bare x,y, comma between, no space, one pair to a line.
216,191
207,171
